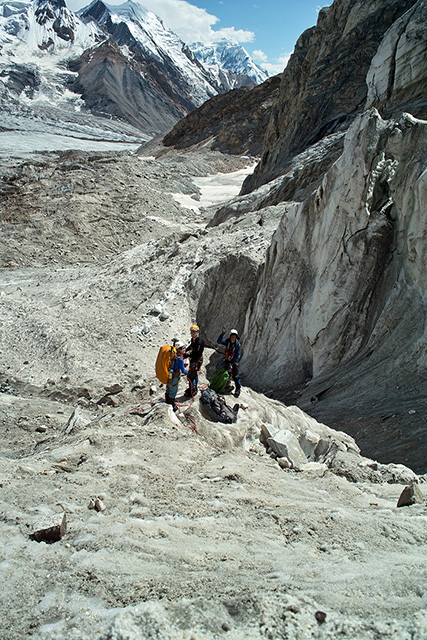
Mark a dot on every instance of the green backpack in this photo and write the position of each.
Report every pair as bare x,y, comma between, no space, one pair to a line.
219,380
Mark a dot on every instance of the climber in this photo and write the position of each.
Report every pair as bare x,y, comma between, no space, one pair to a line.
176,367
194,351
232,356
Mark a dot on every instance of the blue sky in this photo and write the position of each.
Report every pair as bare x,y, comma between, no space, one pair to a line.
268,29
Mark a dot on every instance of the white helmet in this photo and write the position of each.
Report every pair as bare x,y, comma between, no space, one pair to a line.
179,345
234,331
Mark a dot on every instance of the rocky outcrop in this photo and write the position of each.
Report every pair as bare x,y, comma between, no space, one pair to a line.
324,84
397,78
234,122
340,307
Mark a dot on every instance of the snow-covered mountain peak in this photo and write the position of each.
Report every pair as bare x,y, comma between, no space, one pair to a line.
118,61
28,28
229,56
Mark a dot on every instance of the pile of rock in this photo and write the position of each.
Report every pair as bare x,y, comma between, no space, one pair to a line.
307,445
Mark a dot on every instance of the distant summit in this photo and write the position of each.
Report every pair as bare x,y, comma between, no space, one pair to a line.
230,63
116,62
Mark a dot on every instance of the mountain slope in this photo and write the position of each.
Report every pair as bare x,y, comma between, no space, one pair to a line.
170,66
118,62
234,122
324,84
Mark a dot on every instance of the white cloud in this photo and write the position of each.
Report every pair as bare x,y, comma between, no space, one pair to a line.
259,55
189,22
193,24
277,65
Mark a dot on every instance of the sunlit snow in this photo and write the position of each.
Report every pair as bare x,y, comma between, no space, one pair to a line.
214,189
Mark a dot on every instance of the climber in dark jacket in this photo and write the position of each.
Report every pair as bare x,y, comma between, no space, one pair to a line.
232,356
194,351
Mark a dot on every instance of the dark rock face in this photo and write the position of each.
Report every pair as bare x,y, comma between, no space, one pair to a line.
110,85
21,78
324,85
236,120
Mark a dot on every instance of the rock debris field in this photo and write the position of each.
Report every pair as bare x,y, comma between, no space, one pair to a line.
169,526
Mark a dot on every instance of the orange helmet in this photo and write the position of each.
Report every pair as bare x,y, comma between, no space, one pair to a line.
194,327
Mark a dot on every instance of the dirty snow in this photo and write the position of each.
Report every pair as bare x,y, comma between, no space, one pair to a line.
22,142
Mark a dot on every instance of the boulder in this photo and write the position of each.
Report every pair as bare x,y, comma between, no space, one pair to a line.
410,495
285,445
309,442
50,530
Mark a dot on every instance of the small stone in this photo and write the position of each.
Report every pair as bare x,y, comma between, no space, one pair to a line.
99,505
156,310
320,616
113,389
410,495
225,626
412,412
42,428
91,504
108,400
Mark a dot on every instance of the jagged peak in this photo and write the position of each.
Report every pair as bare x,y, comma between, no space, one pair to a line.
59,4
128,10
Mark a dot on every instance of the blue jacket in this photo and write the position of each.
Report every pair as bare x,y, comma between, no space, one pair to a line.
178,364
232,350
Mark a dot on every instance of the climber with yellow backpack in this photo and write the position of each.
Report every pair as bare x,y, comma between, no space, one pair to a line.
169,366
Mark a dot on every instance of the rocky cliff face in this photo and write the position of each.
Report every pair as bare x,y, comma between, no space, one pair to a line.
324,83
338,312
339,315
234,122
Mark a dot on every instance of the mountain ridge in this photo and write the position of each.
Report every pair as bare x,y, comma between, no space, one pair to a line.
45,48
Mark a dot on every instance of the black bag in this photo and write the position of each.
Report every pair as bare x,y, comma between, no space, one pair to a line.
217,409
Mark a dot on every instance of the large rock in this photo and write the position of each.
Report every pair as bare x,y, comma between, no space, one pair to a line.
410,495
285,445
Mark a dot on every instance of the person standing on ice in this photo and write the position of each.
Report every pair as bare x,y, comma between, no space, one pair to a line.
176,367
233,350
195,352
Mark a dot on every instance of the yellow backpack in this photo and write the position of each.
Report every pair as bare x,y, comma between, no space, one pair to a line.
164,357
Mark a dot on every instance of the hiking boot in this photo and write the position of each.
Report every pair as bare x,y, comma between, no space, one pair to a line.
237,393
187,393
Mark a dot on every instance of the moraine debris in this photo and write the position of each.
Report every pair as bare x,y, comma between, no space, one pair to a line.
50,530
